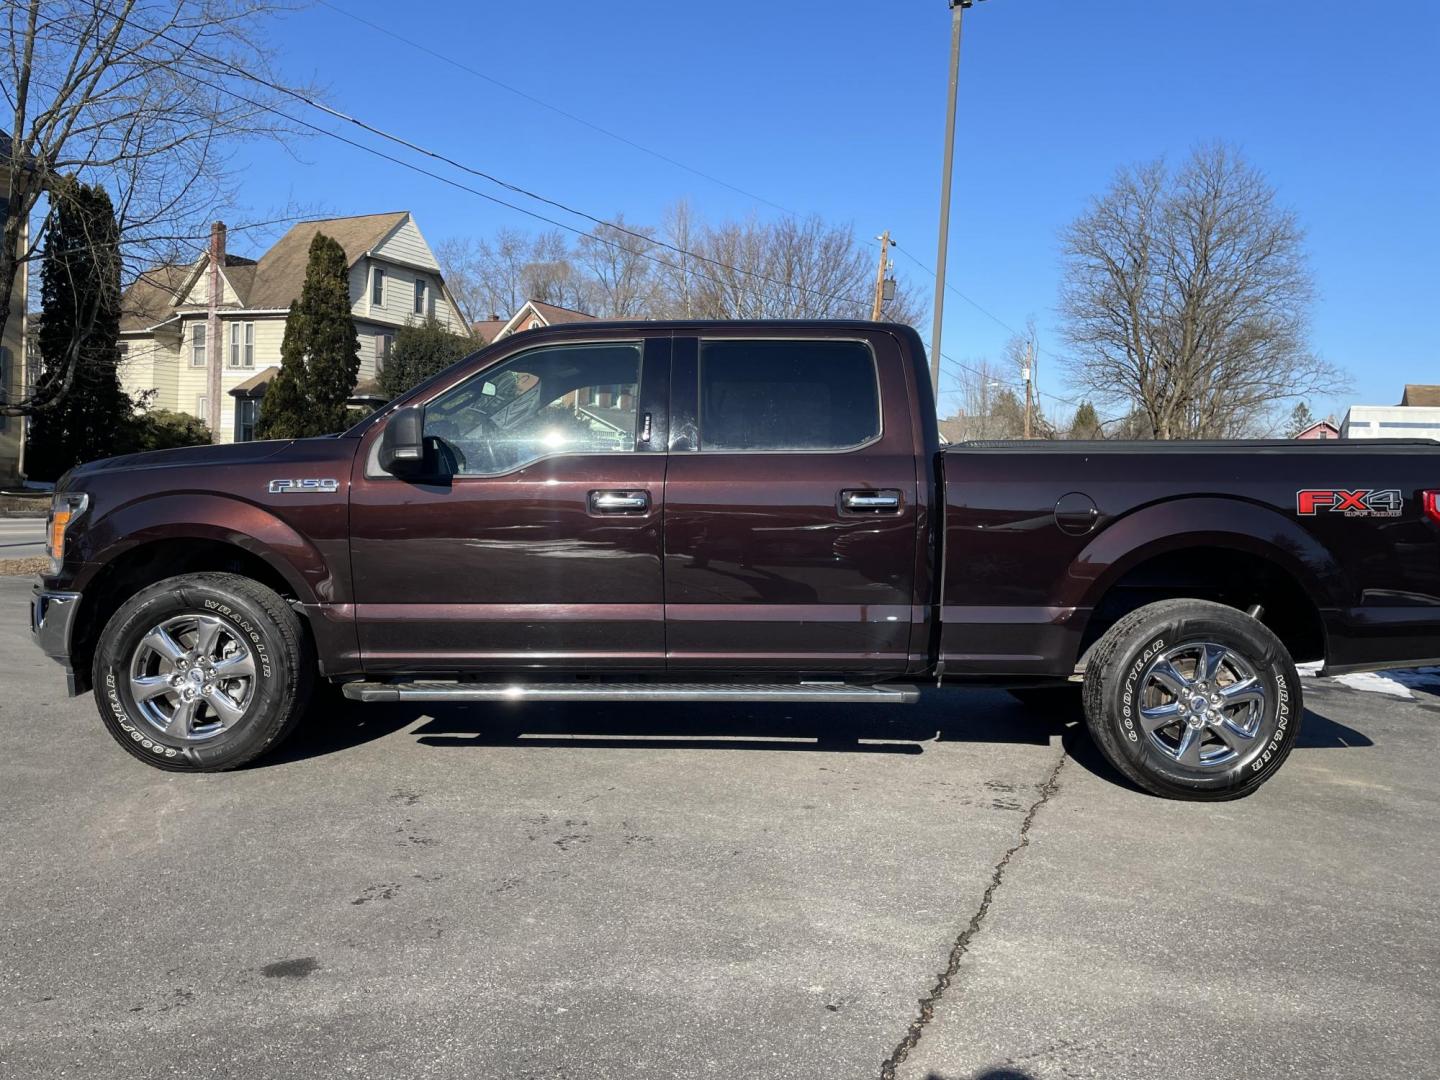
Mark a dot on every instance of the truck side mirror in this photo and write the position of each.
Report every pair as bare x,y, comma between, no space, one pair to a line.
402,443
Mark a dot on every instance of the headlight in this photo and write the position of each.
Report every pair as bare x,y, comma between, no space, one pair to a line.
65,507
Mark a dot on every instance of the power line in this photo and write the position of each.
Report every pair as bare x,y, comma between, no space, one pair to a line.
994,318
951,288
525,192
556,109
509,205
338,114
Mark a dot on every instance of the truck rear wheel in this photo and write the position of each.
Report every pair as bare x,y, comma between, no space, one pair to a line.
202,672
1193,700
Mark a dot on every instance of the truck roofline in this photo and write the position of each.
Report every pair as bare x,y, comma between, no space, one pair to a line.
1179,446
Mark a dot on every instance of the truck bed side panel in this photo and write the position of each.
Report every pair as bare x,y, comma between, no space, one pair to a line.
1019,591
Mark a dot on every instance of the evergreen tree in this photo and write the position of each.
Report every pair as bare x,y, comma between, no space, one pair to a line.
79,332
1300,419
320,354
421,350
1086,424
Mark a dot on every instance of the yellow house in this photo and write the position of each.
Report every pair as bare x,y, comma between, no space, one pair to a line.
165,352
12,353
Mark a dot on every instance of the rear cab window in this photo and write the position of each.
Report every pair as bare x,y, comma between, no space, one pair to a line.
783,395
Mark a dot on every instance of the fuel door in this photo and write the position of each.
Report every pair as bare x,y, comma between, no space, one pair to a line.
1076,513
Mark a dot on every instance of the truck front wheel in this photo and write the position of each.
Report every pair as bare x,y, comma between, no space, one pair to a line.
202,672
1193,700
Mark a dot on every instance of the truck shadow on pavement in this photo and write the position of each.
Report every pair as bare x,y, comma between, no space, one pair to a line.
979,716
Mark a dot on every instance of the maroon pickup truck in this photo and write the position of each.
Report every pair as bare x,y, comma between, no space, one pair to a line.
735,512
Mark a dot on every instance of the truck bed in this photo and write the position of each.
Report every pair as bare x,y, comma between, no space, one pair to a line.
1043,542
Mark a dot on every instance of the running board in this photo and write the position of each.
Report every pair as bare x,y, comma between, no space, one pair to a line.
426,690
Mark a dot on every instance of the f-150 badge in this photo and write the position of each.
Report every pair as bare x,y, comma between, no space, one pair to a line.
1363,502
305,486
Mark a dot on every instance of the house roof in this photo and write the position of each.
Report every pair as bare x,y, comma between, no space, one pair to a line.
150,299
273,282
548,314
280,274
1319,425
1418,395
486,329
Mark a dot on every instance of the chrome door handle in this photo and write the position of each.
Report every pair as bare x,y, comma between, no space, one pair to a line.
619,502
872,502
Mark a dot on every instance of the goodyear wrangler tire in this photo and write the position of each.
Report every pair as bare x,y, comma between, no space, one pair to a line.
1193,700
202,672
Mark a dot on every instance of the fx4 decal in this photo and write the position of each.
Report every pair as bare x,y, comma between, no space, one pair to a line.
307,485
1363,502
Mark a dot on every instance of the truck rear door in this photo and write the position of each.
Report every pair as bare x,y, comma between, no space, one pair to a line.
791,504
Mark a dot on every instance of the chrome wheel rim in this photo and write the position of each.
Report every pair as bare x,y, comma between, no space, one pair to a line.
192,677
1203,706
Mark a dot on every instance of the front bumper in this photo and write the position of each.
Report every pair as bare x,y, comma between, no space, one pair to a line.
52,620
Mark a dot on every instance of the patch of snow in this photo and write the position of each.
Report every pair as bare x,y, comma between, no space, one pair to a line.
1373,682
1397,682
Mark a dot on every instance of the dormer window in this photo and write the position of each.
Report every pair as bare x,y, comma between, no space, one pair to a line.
377,287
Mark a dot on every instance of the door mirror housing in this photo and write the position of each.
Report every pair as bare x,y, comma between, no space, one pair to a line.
402,443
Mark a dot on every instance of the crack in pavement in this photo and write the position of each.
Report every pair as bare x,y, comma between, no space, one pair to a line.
962,943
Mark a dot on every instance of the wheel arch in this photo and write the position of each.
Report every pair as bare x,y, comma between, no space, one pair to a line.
153,539
1228,550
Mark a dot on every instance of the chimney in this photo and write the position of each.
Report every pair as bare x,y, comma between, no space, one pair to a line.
217,243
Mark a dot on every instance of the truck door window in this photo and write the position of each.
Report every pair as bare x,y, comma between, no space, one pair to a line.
566,399
787,395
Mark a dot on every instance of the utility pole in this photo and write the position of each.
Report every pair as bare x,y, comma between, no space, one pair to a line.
214,351
1028,372
885,245
957,16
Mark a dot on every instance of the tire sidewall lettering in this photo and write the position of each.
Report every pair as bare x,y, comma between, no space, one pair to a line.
262,655
1128,706
129,726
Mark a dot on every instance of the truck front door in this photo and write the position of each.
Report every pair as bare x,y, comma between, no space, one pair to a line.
792,505
538,545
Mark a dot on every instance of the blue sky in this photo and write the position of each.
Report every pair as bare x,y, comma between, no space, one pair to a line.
837,108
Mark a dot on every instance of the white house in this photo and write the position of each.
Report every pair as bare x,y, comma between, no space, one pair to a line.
394,279
1416,417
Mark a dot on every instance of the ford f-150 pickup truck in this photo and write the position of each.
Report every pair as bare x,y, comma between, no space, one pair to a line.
735,512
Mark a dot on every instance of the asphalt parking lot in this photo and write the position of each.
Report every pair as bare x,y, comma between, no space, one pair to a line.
678,891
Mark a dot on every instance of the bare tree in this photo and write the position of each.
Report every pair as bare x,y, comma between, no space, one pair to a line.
621,268
751,269
1186,297
141,97
791,268
989,406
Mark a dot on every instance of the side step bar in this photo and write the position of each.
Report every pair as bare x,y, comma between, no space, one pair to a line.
427,690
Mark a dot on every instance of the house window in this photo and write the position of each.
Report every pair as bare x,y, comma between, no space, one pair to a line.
246,411
420,296
534,324
377,287
123,349
383,344
242,345
202,408
197,345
